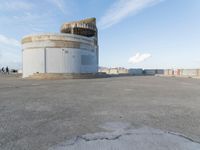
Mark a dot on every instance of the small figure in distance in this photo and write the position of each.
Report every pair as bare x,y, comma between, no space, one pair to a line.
7,70
2,70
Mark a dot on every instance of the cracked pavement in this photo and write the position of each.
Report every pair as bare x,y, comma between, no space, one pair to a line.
132,139
36,114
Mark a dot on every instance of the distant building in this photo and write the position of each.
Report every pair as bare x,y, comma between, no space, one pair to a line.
104,70
150,72
114,71
122,71
136,72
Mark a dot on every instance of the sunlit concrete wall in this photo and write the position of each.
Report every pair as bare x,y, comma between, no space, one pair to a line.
182,72
135,72
59,53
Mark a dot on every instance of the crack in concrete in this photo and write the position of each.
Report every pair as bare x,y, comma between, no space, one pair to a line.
118,136
117,133
183,136
86,139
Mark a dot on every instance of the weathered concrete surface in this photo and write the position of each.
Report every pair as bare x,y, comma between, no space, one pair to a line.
86,27
43,114
131,139
55,40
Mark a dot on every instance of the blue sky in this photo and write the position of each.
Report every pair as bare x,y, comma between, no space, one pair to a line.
132,33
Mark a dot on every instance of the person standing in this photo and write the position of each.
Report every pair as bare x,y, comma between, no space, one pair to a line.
7,70
2,70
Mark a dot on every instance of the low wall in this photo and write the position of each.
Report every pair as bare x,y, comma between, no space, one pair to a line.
159,71
150,72
182,72
57,76
189,72
135,72
114,71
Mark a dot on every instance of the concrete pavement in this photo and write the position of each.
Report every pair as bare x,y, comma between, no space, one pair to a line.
38,114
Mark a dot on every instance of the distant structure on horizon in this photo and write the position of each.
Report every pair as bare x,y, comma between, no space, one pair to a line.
132,71
73,52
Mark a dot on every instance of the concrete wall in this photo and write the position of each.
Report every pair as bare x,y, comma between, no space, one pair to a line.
189,72
113,71
122,71
149,72
169,72
59,53
104,70
159,71
135,72
198,72
182,72
33,61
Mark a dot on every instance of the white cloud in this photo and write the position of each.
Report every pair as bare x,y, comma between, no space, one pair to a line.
61,5
122,9
15,5
33,16
9,41
138,58
29,22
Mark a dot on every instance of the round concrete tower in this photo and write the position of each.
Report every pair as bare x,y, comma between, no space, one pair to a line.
72,52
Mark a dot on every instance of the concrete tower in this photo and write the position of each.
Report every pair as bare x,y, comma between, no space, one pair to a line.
73,52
